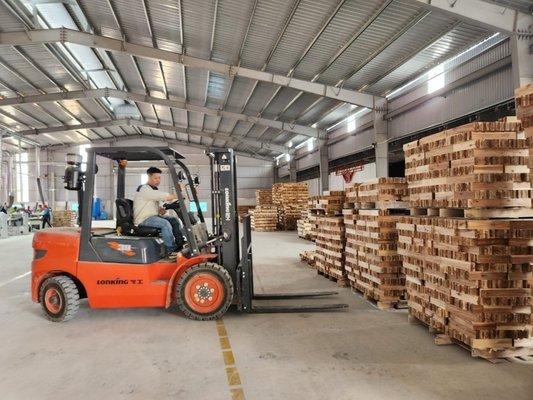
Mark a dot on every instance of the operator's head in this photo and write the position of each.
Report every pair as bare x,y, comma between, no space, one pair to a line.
154,176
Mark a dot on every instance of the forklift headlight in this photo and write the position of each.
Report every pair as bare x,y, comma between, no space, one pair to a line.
38,253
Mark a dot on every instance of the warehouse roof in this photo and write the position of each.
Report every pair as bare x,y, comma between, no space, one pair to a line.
258,75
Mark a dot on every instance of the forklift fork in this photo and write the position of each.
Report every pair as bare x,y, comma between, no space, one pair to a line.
245,286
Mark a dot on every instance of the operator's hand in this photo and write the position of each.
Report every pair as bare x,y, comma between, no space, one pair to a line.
162,211
171,197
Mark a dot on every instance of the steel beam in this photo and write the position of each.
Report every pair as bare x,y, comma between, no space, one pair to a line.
177,104
152,125
63,35
166,141
480,13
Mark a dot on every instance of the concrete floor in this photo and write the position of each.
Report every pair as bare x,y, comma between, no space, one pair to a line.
362,353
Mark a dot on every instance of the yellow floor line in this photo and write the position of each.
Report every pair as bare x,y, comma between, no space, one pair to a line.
232,374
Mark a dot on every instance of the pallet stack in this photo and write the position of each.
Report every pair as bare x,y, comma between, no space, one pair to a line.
64,218
481,168
264,218
291,198
263,197
304,228
468,274
373,263
524,111
330,239
311,215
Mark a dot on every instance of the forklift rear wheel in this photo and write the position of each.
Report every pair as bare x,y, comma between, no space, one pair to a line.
204,292
60,298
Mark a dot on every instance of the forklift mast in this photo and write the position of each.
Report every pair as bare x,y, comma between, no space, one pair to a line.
225,220
235,253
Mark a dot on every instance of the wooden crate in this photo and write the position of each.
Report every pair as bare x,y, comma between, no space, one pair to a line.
481,165
264,218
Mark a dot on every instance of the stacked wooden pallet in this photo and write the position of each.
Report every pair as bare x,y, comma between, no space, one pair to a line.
373,265
264,218
308,256
312,215
471,280
382,193
350,249
242,210
524,111
480,168
470,277
330,241
64,218
291,198
263,197
524,105
304,228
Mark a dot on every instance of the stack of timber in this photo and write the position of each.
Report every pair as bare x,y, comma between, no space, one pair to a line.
263,197
242,210
311,215
469,277
524,111
330,241
471,280
305,229
64,218
350,248
380,193
291,198
329,204
524,105
308,256
373,264
264,218
477,170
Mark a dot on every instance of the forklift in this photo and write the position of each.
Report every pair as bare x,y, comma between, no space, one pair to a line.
129,267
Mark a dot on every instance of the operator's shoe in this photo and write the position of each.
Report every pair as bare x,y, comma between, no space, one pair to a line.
173,255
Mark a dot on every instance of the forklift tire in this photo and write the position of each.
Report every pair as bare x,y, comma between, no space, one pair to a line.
60,298
204,292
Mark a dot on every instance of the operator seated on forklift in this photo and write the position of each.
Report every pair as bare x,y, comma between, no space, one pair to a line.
148,212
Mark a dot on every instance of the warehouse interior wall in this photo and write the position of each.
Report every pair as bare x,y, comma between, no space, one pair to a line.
252,174
474,81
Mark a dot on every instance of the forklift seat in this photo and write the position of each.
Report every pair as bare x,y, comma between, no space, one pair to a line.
125,221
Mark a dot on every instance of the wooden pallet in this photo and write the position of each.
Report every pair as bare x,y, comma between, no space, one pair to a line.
473,213
263,197
384,304
291,198
471,279
339,279
479,165
330,241
264,218
522,355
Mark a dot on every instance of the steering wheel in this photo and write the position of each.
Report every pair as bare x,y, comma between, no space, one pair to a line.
172,205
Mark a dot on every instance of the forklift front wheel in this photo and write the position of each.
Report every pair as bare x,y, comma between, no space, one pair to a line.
60,298
204,292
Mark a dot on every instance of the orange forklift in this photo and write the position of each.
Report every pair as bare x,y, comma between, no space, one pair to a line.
128,266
